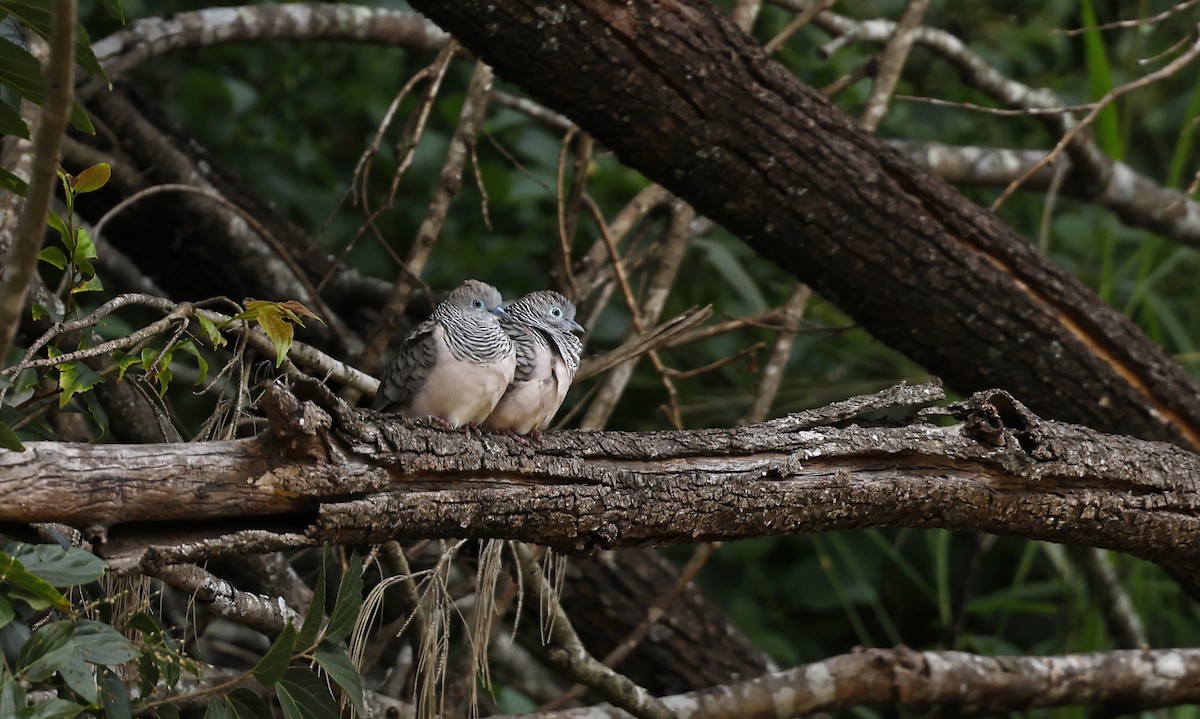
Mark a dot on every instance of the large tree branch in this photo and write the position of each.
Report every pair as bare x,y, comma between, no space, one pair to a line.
1001,470
680,93
962,684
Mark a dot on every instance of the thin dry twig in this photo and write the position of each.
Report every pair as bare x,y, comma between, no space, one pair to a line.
1000,111
1109,97
715,364
676,241
567,652
433,73
1124,24
470,120
791,312
895,54
654,613
569,202
663,335
802,18
745,12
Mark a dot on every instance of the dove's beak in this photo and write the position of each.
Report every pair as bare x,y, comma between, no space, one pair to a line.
502,312
577,327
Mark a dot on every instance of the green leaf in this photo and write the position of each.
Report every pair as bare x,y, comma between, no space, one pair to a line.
85,247
92,179
33,586
81,678
53,254
341,670
12,124
80,120
114,695
218,708
12,697
54,709
147,624
115,11
349,601
75,377
302,695
124,362
60,227
98,415
1100,77
190,348
9,181
170,671
168,711
148,673
215,338
7,614
248,705
37,16
316,610
9,439
45,658
274,663
99,643
21,72
58,566
271,319
91,284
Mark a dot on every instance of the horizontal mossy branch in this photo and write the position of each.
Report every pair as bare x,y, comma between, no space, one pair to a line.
352,476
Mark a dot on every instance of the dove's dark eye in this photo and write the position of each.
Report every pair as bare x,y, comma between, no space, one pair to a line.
477,304
556,312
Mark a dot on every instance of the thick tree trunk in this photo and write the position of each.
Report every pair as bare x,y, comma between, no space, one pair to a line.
680,93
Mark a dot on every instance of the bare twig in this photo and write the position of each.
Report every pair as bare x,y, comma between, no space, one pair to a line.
567,652
1111,597
568,204
656,611
1109,97
781,350
895,54
675,243
745,12
148,38
802,18
1124,24
661,336
473,112
434,73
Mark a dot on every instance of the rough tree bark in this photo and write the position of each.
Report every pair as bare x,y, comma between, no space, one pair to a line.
1002,470
680,93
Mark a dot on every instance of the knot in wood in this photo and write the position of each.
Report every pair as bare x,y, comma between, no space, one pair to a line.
985,425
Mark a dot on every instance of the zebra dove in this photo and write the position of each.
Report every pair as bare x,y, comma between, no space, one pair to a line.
454,366
540,326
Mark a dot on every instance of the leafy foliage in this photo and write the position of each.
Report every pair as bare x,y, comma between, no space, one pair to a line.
278,320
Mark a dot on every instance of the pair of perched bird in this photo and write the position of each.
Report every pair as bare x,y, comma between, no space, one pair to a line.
476,361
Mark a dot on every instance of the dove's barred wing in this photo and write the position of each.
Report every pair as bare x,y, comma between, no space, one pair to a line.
407,372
